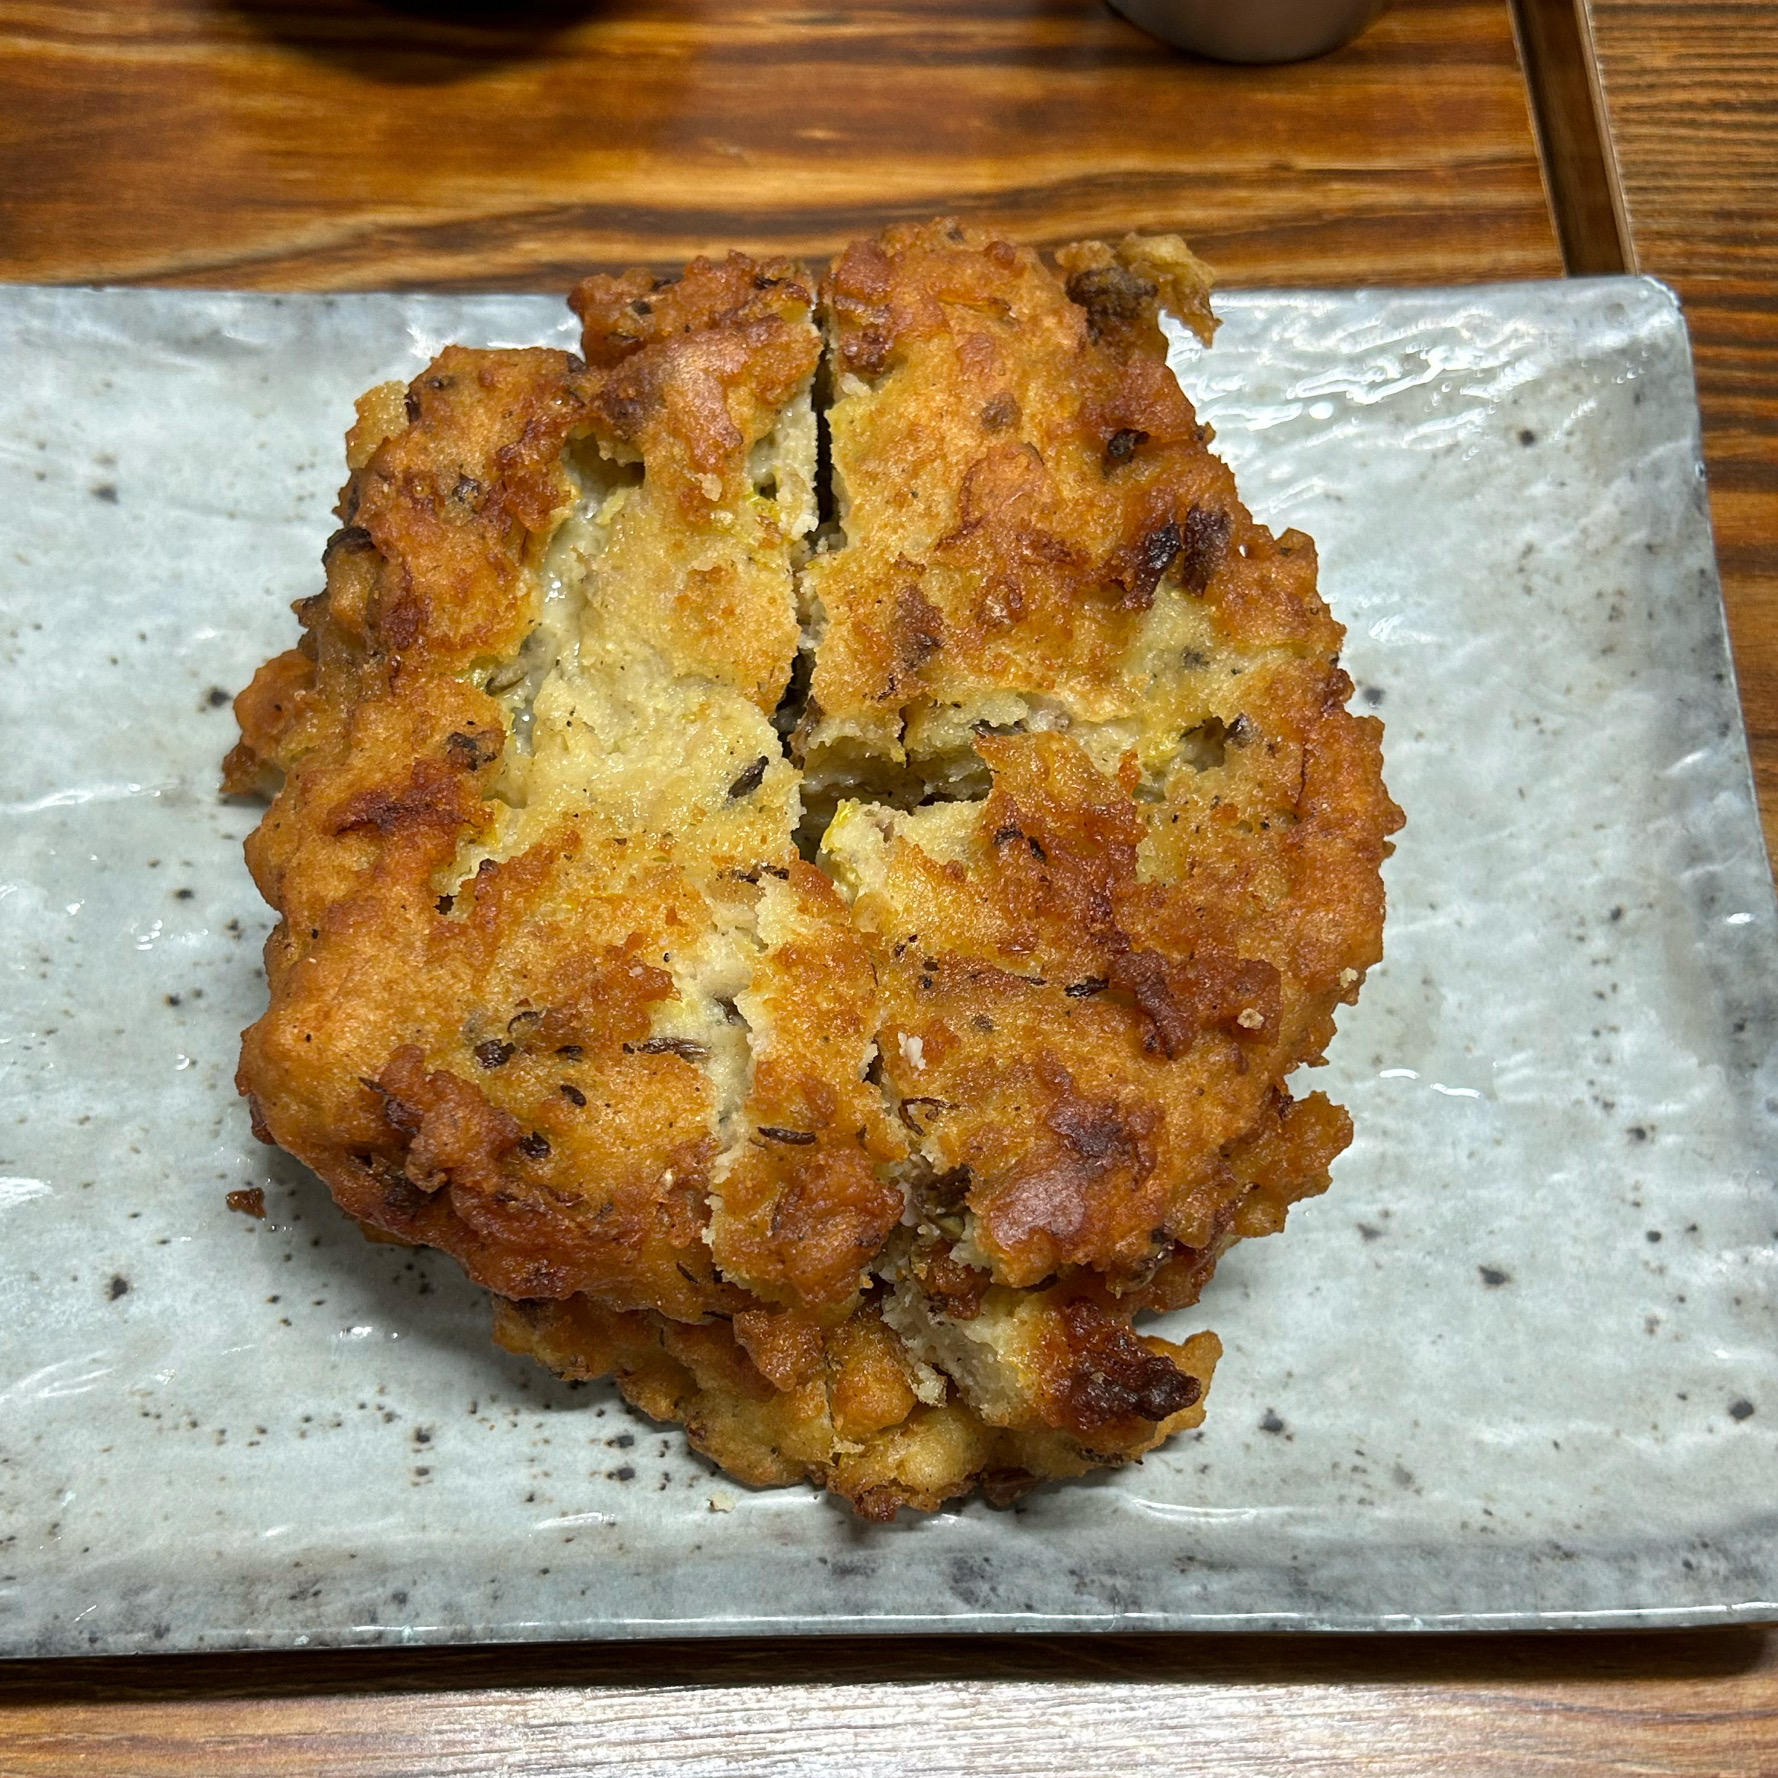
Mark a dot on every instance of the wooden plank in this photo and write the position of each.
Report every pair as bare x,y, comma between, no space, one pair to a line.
1691,97
1699,1704
342,144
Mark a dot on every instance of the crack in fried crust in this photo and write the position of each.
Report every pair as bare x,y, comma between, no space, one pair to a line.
861,1172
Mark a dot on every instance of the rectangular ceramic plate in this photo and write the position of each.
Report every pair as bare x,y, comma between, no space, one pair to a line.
1518,1367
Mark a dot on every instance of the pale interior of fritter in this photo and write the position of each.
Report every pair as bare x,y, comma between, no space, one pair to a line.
617,723
620,721
993,1357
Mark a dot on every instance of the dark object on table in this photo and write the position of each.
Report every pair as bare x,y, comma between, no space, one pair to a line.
1256,31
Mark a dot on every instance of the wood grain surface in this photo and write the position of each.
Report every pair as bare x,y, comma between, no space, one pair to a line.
1691,99
281,144
1699,1704
356,144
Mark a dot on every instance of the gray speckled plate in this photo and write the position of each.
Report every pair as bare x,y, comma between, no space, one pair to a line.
1517,1368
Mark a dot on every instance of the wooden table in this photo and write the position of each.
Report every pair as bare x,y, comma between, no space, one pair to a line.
374,143
1691,95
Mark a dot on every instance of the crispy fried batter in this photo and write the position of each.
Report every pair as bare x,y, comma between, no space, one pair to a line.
867,1421
861,1168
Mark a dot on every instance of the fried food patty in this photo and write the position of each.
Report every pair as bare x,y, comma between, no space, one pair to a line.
831,975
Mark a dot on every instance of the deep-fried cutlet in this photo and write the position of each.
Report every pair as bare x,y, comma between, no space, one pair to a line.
830,976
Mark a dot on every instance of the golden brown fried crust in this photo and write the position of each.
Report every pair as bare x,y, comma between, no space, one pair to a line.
1095,978
1085,1041
1030,471
806,1205
862,1172
473,1069
691,366
850,1417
